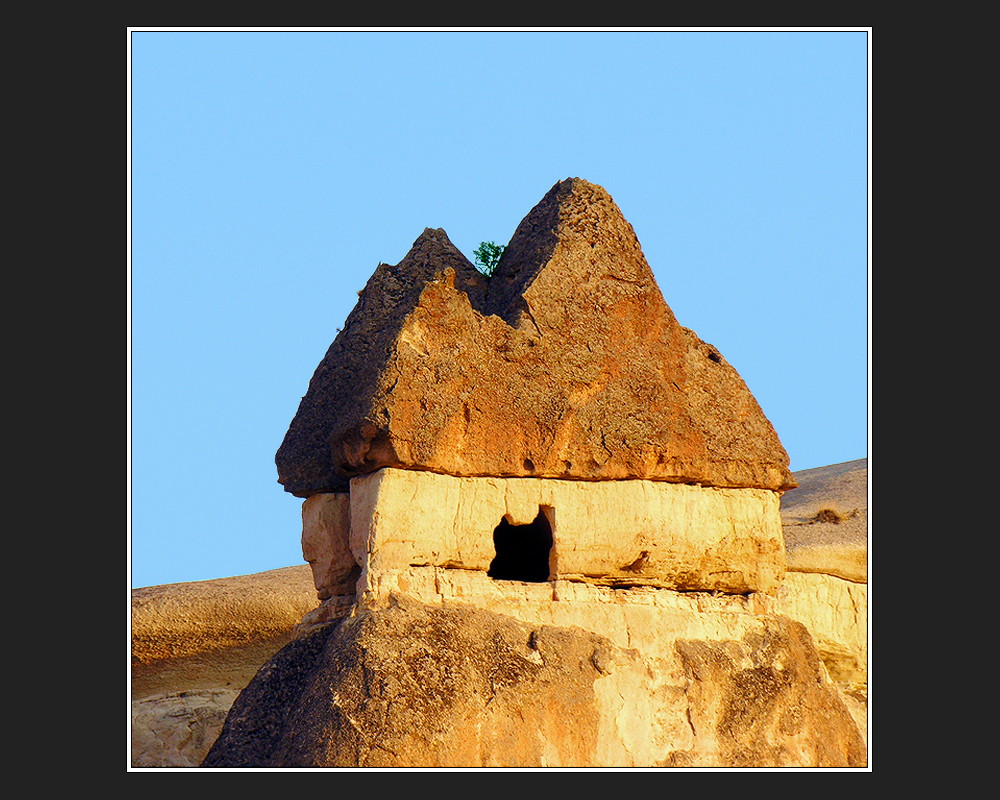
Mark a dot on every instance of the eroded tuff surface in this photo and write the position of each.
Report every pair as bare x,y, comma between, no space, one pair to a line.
416,685
199,644
616,533
567,363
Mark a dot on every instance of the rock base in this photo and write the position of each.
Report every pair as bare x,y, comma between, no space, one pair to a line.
683,682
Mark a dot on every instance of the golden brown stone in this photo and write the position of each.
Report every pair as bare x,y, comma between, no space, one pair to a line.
567,363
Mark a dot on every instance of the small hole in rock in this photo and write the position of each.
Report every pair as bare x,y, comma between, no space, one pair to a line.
522,551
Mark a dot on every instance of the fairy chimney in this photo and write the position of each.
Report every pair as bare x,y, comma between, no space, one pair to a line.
560,397
545,520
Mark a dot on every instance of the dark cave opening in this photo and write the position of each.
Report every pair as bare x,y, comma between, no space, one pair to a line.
522,551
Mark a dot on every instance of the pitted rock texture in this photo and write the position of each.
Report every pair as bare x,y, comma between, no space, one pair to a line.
326,525
760,702
616,533
355,369
177,730
567,363
416,686
196,646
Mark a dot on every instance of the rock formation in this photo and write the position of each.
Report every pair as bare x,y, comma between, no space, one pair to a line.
452,685
612,533
196,646
531,500
567,363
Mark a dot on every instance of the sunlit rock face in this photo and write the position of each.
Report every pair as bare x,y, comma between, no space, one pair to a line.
612,533
543,521
453,685
567,363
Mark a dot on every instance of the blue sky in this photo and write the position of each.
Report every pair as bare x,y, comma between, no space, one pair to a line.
271,171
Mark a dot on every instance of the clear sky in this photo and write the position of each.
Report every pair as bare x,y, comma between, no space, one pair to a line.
271,171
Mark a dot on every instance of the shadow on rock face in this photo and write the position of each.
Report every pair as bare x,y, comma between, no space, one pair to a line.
412,685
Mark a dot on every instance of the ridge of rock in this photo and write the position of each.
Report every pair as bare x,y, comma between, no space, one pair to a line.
568,363
359,355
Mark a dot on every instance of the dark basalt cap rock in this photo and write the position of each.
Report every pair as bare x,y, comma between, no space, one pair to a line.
567,363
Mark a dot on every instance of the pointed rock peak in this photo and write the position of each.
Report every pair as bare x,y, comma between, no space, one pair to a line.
568,363
564,252
356,363
399,286
433,252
